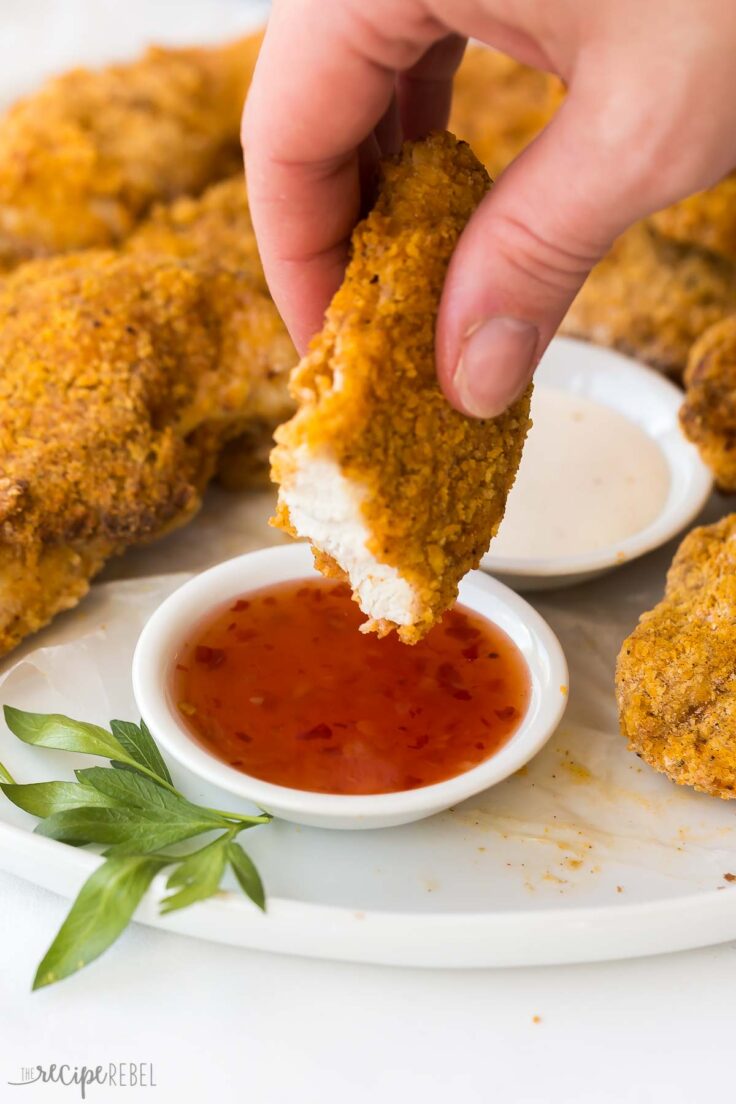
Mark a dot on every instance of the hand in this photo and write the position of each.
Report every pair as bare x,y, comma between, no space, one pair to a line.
649,118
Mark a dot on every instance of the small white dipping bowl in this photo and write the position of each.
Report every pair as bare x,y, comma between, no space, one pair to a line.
167,629
650,402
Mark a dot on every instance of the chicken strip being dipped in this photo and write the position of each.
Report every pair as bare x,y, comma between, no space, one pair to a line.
708,415
84,158
652,298
395,489
676,681
120,380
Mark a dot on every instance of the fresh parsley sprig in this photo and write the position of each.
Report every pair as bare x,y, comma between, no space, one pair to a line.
132,808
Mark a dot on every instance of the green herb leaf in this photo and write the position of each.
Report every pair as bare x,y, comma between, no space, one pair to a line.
199,875
247,875
134,791
134,810
126,831
101,912
43,799
53,730
140,745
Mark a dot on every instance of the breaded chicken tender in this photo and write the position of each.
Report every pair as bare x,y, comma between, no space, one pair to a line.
500,105
707,219
676,677
395,489
708,415
121,377
84,158
652,298
216,229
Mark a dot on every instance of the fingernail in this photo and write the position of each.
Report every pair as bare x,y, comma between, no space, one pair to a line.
496,362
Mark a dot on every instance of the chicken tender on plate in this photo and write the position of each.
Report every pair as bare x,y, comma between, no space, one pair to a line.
395,489
121,378
500,105
666,280
84,158
707,219
652,298
676,678
708,415
215,227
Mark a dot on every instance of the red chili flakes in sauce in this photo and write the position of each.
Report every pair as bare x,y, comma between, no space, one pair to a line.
296,695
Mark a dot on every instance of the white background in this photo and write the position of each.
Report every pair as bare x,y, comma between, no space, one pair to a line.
225,1025
221,1024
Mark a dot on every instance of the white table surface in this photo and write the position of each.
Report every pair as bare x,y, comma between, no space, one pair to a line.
222,1024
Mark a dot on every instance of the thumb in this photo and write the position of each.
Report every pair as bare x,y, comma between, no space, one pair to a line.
523,257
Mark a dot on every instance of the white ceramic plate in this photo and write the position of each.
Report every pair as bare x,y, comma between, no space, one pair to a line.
652,403
585,854
528,874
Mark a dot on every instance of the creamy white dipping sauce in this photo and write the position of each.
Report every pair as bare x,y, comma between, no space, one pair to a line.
588,479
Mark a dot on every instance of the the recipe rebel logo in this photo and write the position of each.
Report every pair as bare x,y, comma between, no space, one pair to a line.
115,1075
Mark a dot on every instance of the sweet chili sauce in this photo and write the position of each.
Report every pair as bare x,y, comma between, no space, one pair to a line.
281,685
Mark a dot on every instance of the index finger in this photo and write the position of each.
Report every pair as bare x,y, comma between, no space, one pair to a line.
320,87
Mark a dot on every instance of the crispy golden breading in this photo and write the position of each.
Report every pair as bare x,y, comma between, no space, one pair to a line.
120,380
707,219
215,227
652,298
676,678
708,415
500,105
124,376
84,158
430,483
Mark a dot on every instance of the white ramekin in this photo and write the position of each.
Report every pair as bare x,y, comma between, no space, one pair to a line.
653,404
167,628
